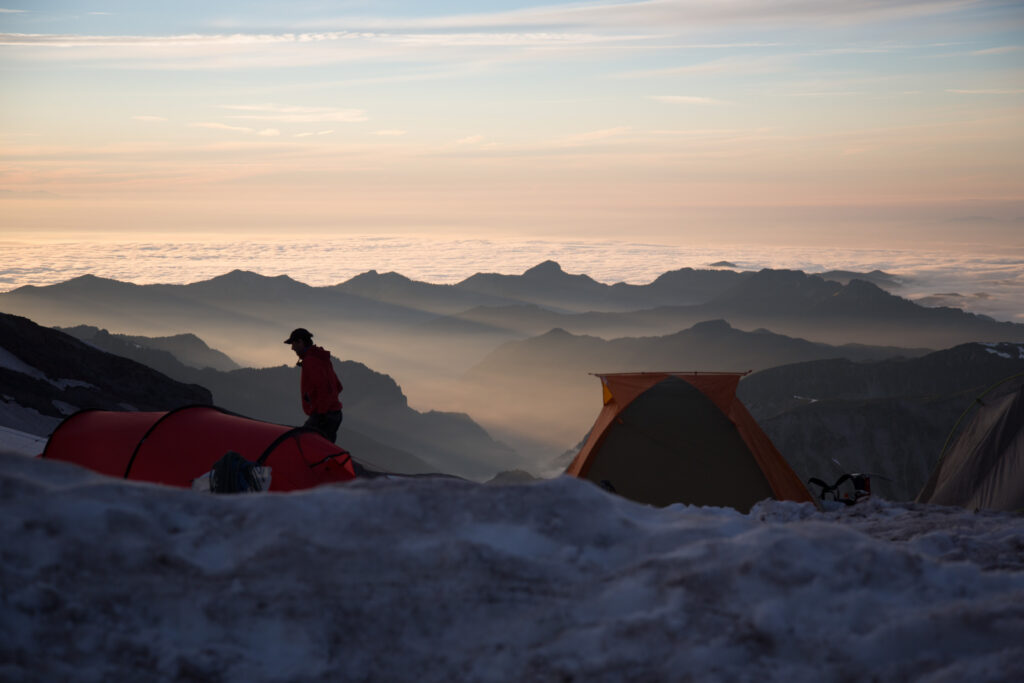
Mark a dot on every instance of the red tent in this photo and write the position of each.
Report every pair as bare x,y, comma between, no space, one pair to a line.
179,446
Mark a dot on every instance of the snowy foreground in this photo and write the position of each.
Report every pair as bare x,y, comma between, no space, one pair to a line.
437,580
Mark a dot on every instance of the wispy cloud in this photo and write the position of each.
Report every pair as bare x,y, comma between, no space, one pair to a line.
213,125
987,91
685,99
470,140
595,136
69,40
726,65
199,51
824,94
305,48
659,13
314,134
1002,50
532,33
219,126
12,11
293,114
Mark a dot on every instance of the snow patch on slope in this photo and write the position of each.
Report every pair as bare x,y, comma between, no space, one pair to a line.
11,362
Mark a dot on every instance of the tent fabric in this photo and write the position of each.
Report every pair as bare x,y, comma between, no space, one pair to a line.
179,446
664,438
984,467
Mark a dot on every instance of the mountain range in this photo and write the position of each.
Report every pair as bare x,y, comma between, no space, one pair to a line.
442,376
240,312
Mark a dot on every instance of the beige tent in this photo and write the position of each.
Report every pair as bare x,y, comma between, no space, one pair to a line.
671,437
984,467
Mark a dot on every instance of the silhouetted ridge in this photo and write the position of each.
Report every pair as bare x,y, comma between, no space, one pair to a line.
711,327
89,278
374,277
781,289
247,284
878,277
545,284
551,272
248,277
866,297
163,354
557,333
545,268
82,283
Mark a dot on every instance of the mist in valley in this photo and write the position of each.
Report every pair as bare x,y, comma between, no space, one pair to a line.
514,354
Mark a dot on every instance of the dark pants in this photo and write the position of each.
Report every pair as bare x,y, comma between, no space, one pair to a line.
325,423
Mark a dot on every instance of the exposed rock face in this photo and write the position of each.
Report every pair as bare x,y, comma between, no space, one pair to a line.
890,418
46,375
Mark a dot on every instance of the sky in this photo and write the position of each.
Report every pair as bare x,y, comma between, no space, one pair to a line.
681,121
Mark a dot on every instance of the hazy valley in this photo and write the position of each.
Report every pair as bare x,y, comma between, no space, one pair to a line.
493,373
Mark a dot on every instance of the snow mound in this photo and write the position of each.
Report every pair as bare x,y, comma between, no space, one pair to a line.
439,580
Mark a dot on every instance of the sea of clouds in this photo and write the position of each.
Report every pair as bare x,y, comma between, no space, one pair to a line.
985,282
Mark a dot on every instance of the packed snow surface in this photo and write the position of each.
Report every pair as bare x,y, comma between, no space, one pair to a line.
443,580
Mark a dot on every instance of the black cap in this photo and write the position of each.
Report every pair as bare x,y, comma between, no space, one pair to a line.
299,333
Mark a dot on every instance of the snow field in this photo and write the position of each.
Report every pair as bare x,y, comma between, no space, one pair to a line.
436,580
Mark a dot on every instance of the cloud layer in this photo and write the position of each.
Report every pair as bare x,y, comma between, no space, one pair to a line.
990,283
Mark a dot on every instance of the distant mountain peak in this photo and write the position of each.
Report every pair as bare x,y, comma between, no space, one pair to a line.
246,280
546,268
877,277
718,325
240,275
550,273
88,283
865,293
790,288
90,279
376,276
786,274
861,285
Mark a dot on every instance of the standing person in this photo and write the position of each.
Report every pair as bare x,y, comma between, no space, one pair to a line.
320,385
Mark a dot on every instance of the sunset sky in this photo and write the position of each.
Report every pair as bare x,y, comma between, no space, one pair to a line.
796,121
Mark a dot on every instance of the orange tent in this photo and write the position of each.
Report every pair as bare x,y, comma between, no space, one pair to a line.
179,446
673,437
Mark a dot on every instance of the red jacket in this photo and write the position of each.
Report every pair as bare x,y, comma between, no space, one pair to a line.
320,385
